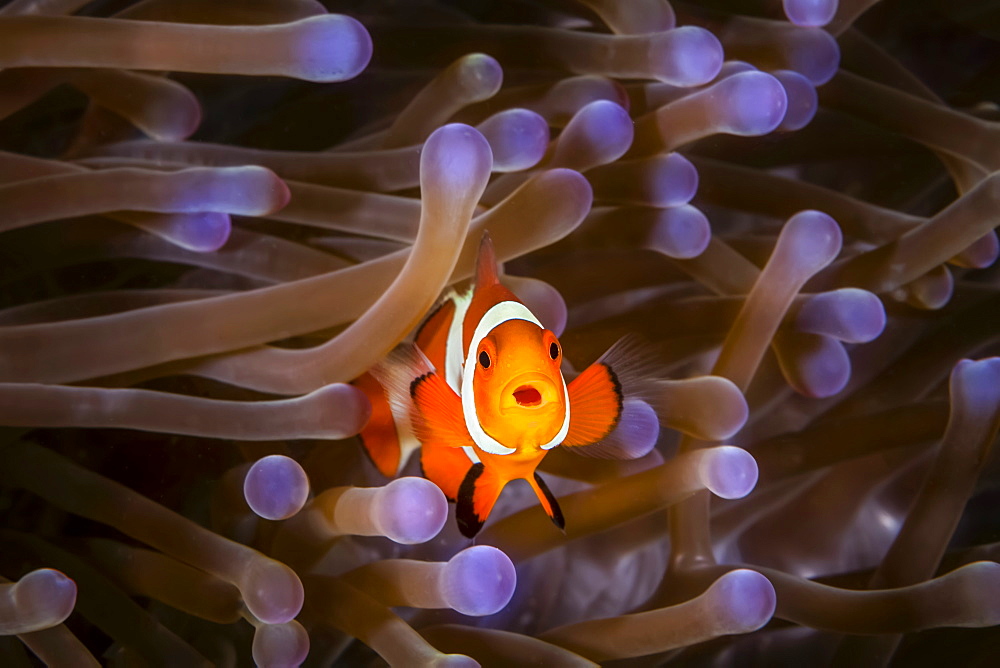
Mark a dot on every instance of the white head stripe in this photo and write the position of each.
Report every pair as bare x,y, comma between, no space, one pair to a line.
497,314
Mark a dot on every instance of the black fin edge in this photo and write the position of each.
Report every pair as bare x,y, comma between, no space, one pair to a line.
557,516
468,522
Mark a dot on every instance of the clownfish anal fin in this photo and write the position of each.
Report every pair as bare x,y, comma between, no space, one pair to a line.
476,496
595,399
487,273
438,417
548,501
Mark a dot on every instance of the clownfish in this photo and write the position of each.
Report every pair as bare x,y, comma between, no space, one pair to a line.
481,392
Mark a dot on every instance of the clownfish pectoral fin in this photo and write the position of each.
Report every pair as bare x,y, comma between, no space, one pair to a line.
608,418
595,400
379,437
433,410
548,501
438,417
476,497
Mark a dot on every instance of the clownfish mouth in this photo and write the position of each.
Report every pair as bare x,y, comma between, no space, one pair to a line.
530,391
527,396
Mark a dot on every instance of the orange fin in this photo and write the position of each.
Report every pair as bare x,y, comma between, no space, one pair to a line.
595,400
476,497
432,335
597,396
379,436
548,501
486,264
438,418
445,467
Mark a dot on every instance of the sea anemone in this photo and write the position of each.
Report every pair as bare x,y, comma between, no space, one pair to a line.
215,215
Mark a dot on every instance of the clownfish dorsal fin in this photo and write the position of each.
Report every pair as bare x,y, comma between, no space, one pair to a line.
476,497
607,398
487,273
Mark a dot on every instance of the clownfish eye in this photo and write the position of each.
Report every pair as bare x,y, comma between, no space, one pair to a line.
554,350
484,359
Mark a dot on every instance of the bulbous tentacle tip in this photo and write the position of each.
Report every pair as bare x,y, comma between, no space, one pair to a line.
481,73
680,232
686,56
456,158
802,100
271,591
277,645
810,240
411,510
752,103
810,13
45,594
518,139
330,47
729,472
349,408
276,487
479,581
814,53
977,384
744,600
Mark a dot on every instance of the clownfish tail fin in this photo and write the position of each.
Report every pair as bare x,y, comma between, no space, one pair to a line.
396,372
610,416
548,501
389,435
379,437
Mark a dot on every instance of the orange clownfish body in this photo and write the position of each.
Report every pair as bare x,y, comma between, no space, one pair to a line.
483,395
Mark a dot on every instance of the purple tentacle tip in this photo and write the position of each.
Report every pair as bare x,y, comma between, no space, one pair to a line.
202,232
814,53
750,103
851,315
331,47
276,487
411,510
802,99
272,591
729,472
977,382
746,600
687,56
479,581
280,645
810,13
673,181
456,157
517,137
49,590
813,240
819,366
600,133
680,232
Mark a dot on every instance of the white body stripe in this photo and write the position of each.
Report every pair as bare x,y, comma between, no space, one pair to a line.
498,314
454,354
